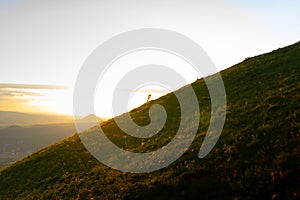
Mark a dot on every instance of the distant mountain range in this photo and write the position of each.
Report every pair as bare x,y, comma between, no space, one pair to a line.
17,142
21,133
8,118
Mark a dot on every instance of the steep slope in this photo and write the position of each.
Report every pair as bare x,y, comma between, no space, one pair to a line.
256,157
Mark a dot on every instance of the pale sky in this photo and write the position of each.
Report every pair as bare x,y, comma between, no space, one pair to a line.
46,41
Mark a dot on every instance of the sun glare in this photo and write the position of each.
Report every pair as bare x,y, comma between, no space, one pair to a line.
108,83
50,101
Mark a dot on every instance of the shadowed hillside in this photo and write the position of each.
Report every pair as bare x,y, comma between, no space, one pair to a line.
256,157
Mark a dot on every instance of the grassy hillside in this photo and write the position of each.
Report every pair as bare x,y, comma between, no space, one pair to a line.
256,157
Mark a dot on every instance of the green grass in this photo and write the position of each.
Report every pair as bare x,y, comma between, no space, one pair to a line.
260,137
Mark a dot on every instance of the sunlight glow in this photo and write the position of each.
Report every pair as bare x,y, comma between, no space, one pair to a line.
119,69
49,47
54,101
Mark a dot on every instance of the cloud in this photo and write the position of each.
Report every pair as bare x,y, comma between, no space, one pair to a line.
8,93
18,91
32,86
20,97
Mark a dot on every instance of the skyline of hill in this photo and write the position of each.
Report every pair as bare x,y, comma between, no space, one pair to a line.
8,118
256,157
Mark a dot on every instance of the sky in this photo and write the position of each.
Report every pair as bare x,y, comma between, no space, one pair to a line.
45,42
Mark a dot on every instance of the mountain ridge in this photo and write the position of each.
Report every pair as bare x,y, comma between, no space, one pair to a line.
8,118
256,156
